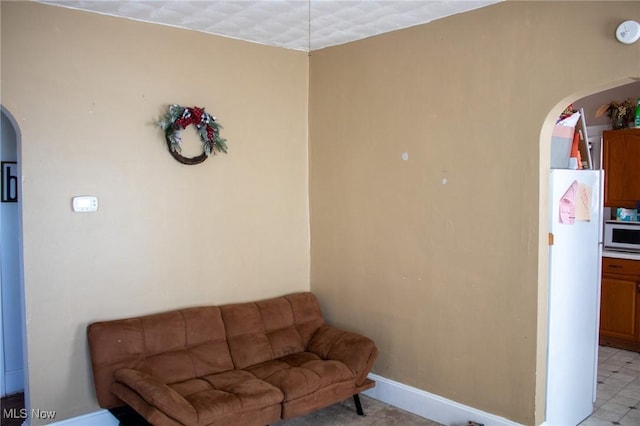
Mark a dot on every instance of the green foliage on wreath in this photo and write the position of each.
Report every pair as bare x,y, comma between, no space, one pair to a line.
178,118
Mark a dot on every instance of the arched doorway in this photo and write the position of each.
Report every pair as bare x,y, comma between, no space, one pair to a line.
595,97
12,316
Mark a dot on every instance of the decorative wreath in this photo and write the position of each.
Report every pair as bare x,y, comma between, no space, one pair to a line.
178,118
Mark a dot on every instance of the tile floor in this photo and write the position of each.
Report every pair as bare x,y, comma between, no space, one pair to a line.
618,394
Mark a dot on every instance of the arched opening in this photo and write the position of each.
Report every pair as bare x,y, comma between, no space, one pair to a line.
13,349
546,327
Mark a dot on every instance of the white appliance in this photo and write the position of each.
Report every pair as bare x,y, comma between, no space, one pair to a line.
574,294
622,236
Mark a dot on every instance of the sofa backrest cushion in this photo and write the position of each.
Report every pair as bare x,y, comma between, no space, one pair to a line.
171,346
181,345
262,331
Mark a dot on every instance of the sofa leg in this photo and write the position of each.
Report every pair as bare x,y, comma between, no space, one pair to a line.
128,417
356,400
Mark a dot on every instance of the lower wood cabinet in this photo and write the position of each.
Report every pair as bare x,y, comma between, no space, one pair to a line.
620,303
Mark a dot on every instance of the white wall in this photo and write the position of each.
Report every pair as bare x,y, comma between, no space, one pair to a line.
11,318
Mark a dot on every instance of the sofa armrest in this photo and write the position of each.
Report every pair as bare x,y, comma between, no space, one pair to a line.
356,351
158,395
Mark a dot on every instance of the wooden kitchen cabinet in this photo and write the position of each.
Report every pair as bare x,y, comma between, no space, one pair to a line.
621,163
620,304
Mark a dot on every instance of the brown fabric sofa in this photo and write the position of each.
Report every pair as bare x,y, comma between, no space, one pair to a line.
238,364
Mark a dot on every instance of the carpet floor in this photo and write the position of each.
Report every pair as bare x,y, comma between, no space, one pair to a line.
344,414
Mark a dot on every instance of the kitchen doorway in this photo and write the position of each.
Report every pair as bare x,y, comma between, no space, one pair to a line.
589,102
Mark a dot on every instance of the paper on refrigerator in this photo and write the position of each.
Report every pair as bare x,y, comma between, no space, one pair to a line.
575,204
583,202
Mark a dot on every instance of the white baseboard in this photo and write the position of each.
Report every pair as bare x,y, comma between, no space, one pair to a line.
97,418
13,381
429,405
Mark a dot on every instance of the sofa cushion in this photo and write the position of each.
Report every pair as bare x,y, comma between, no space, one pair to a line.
200,401
227,393
183,344
302,373
269,329
246,335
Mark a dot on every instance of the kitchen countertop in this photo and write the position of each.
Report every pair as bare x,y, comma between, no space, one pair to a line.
620,254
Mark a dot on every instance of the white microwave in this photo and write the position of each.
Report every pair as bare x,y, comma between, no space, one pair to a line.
624,236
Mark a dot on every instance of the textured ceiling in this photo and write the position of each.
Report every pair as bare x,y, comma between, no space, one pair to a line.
283,23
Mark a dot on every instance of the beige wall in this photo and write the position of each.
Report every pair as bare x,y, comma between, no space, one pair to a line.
450,278
85,90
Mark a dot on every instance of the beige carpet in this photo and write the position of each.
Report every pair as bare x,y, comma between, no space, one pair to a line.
344,413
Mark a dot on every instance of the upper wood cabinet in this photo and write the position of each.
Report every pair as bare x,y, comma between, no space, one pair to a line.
621,164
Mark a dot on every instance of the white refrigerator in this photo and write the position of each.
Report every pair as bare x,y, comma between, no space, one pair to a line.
574,294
